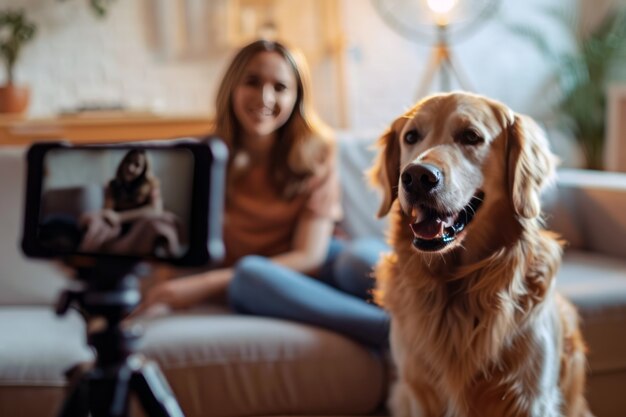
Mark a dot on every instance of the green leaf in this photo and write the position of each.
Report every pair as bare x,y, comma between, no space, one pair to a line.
20,31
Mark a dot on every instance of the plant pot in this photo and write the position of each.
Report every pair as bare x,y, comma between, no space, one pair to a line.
14,99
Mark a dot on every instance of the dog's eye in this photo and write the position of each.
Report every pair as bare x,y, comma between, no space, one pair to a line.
469,137
412,137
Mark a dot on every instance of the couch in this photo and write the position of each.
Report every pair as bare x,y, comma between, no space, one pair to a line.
222,364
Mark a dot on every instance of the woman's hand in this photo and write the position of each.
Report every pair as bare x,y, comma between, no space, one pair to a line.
185,292
98,228
176,294
111,217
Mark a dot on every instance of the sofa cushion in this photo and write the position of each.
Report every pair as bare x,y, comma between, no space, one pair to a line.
601,302
597,286
588,210
232,365
216,363
37,346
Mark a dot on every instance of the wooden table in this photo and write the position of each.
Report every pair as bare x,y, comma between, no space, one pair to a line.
102,127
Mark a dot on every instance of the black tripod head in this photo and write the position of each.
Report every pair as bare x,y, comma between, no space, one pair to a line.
105,287
109,291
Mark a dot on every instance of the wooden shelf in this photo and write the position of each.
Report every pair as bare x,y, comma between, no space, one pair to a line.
102,127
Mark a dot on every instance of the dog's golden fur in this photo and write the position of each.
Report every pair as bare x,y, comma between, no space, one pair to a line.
477,327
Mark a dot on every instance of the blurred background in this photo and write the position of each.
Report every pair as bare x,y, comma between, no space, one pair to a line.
559,61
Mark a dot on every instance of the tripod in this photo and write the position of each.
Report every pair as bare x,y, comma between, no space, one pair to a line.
111,291
441,61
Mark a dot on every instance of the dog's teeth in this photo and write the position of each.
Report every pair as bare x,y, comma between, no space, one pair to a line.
448,221
417,215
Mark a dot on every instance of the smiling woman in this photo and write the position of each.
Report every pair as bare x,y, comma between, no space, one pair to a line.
264,110
282,202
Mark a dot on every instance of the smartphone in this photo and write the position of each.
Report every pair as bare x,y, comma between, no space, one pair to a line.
154,200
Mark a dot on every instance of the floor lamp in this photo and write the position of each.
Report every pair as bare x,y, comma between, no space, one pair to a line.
441,60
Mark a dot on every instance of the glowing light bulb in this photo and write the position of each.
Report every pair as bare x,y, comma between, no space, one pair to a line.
441,7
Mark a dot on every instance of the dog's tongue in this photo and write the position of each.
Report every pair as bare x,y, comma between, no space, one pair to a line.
428,229
429,226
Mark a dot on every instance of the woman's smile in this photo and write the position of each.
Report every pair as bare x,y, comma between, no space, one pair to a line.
261,113
265,97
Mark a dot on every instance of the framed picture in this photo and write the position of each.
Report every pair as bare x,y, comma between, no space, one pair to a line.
615,140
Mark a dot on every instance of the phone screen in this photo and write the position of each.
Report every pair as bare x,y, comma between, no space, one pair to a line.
116,201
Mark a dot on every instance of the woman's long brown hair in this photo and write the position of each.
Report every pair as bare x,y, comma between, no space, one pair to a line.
136,193
304,144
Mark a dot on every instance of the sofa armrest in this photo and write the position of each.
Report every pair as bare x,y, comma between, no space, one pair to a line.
23,281
589,210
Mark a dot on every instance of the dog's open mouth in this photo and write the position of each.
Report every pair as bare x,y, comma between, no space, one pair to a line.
434,231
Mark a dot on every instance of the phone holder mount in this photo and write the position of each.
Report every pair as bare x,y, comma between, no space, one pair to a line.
108,291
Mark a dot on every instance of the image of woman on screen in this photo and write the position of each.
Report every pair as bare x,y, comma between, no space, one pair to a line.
132,220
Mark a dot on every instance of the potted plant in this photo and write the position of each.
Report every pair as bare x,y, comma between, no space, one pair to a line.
583,75
599,61
15,31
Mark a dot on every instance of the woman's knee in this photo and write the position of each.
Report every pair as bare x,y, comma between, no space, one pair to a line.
248,278
355,265
361,256
247,270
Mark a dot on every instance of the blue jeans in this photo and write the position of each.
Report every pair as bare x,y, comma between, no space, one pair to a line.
339,300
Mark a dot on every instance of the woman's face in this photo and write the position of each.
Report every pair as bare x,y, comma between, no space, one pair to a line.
266,94
133,167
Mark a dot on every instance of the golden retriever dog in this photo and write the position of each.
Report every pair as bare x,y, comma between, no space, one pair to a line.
478,329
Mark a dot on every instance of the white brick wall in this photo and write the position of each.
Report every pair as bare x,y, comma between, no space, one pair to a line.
77,58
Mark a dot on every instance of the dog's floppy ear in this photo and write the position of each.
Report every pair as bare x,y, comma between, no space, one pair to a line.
385,173
531,166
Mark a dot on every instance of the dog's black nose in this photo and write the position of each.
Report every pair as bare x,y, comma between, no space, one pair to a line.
424,177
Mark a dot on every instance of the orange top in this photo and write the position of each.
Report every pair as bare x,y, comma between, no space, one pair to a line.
257,221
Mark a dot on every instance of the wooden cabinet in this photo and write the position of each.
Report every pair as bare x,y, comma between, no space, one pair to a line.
102,128
615,141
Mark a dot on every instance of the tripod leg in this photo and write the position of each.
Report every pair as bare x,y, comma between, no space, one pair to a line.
434,63
153,391
76,402
460,75
108,392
